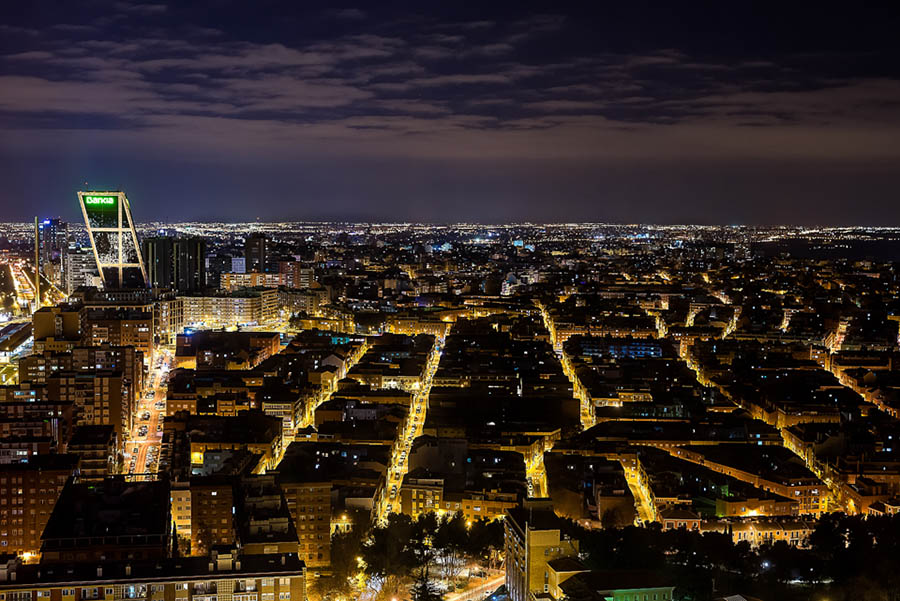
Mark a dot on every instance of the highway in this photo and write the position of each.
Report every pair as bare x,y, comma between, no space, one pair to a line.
390,501
9,299
22,283
153,401
23,279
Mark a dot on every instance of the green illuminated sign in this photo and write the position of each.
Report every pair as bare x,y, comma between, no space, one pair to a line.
99,200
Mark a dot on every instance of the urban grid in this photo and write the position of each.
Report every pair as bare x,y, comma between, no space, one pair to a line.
336,411
449,301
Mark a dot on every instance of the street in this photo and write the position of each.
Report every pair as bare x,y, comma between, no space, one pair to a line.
390,500
147,433
479,591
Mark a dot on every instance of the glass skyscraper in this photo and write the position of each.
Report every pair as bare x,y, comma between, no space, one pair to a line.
110,226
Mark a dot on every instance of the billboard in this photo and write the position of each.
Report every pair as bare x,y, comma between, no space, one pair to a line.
102,211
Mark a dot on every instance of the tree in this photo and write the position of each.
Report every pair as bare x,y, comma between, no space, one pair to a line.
611,518
424,589
204,538
184,546
424,530
345,548
485,541
450,542
388,555
325,588
174,541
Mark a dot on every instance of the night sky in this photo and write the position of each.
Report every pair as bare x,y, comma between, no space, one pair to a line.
650,112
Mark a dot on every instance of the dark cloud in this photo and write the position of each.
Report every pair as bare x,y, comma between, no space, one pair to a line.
141,8
154,82
350,13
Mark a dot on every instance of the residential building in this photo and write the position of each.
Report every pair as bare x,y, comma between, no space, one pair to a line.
255,252
533,539
28,492
109,520
97,446
98,397
252,306
224,574
120,327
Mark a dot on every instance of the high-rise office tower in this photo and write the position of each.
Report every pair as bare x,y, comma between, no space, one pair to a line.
158,258
110,226
189,268
176,263
216,265
54,240
255,252
80,268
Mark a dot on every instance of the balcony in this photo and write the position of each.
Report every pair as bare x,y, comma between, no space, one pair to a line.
204,589
245,586
135,592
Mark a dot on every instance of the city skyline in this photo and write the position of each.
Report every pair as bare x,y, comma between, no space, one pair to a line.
645,113
148,228
554,407
396,301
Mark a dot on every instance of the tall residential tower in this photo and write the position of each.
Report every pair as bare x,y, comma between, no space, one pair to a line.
255,252
176,263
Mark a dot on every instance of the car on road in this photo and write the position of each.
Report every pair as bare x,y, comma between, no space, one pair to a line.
145,415
135,451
